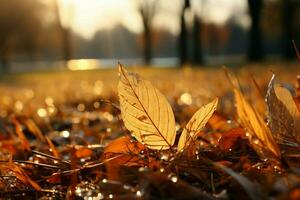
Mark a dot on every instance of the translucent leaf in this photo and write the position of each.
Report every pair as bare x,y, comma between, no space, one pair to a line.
196,123
145,111
260,136
283,114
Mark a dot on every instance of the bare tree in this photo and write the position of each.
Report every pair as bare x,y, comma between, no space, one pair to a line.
66,44
147,9
255,41
20,22
183,45
289,9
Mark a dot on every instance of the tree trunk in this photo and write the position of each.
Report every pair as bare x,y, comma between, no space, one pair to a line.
197,43
183,35
66,44
255,43
66,47
4,59
147,43
288,31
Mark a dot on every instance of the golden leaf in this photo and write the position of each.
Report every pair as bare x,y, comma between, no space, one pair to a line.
255,125
283,114
145,111
196,123
260,136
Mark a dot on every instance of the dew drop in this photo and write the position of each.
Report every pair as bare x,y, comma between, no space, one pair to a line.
173,177
104,180
81,107
139,193
42,112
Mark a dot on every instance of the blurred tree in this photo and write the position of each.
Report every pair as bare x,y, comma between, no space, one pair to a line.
255,42
20,24
183,45
65,31
197,43
147,10
289,11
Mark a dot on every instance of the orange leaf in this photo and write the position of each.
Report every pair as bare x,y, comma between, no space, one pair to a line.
83,152
19,131
21,174
229,138
52,147
218,122
129,152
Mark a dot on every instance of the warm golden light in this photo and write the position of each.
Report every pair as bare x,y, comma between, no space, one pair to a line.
83,64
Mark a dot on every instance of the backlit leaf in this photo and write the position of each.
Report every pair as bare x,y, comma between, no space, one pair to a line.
283,114
260,135
196,123
145,111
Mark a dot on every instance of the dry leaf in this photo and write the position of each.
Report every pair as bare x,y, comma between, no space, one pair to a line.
129,152
20,174
283,114
145,111
219,123
229,138
196,123
260,135
52,148
21,135
83,152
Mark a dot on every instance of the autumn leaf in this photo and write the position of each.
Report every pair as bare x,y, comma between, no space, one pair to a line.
20,174
230,137
145,111
52,148
283,114
260,136
128,152
21,135
196,123
83,152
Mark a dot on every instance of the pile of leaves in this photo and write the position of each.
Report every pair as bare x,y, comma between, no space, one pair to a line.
140,149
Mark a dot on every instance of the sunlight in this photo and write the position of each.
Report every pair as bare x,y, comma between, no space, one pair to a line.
82,64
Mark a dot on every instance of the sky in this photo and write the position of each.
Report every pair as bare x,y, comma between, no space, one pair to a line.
87,16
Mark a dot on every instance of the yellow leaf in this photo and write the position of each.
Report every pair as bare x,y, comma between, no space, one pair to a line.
283,114
260,136
255,126
145,111
196,123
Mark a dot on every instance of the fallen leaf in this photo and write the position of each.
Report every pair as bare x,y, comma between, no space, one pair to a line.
196,123
20,174
145,111
83,152
218,122
229,138
129,154
283,114
52,148
252,189
21,135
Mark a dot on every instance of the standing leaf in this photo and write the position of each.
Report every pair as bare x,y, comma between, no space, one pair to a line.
145,111
260,136
196,123
283,114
